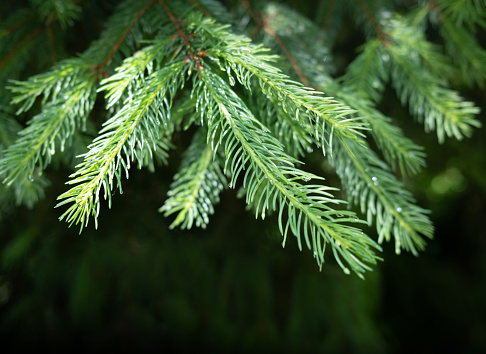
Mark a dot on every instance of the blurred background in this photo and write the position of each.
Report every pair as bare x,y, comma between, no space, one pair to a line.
133,284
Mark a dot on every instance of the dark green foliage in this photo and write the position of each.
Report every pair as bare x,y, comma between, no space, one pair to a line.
159,57
152,52
299,106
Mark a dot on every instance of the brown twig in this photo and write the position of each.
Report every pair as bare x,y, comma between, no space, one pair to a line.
381,35
124,35
19,46
200,8
263,23
16,25
192,55
327,19
286,51
50,36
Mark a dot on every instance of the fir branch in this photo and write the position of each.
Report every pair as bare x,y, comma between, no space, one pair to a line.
196,186
306,106
68,97
440,108
367,75
132,134
288,131
369,184
364,80
48,131
468,13
464,50
248,143
398,150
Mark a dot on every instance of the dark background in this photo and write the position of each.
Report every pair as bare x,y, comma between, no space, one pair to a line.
134,285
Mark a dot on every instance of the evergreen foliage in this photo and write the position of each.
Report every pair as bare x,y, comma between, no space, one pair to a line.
256,94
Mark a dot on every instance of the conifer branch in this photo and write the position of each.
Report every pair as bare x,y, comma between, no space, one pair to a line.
196,186
164,65
326,115
440,108
288,131
364,80
380,194
288,54
48,131
329,14
268,167
132,134
466,52
368,73
62,114
398,150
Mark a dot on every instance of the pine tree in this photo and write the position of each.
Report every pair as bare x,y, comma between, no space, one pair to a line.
255,87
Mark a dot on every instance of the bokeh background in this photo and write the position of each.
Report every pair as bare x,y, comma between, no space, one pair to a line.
135,285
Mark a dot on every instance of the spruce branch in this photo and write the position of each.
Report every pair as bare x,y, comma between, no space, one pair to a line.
398,150
196,186
470,13
367,75
358,167
425,91
464,50
64,11
248,145
369,184
20,46
287,130
166,65
47,132
68,97
237,54
364,81
441,109
133,134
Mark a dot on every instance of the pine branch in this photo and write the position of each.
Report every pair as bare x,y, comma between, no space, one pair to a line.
369,184
245,60
463,48
364,80
430,101
368,74
248,143
48,131
470,13
196,186
63,113
132,134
